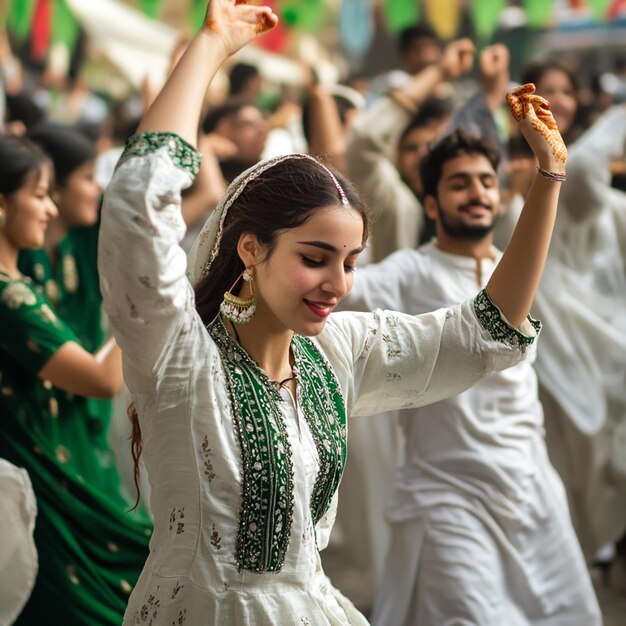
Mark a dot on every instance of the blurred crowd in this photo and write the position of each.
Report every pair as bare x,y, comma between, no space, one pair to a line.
67,474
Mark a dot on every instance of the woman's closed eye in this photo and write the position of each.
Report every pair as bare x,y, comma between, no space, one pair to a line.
309,262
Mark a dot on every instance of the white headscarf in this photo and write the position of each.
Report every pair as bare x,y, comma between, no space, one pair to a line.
207,245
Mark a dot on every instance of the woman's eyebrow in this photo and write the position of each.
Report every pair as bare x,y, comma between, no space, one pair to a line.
326,246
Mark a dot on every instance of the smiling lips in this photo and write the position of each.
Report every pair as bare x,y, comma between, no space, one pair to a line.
321,309
475,209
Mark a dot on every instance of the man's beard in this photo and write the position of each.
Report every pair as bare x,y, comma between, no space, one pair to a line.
457,229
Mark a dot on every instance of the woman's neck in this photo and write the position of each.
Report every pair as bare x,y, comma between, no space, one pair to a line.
8,258
55,233
270,349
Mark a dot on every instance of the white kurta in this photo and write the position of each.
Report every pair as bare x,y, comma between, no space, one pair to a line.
582,361
173,369
480,526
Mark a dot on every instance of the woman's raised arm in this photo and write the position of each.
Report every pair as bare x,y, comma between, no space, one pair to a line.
513,284
142,266
228,26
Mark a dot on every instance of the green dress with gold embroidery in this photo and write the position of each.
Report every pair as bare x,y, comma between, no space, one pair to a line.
71,284
90,548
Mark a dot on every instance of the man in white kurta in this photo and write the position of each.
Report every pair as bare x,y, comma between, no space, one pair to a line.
481,532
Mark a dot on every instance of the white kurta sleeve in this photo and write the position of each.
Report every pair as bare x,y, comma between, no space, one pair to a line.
142,267
588,165
397,217
387,360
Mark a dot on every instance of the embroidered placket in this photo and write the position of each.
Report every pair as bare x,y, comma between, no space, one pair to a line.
266,512
182,154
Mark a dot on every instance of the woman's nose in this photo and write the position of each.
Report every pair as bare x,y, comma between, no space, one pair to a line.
336,282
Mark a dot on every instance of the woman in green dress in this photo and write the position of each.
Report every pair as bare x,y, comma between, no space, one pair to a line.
65,266
90,548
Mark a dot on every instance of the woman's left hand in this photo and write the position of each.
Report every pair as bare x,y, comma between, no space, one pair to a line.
534,118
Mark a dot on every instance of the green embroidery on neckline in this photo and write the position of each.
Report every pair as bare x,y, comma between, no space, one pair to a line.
266,512
182,154
489,316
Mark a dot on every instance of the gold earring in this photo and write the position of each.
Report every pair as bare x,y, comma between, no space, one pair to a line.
239,310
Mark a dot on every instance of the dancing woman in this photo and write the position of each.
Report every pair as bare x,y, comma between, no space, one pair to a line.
242,383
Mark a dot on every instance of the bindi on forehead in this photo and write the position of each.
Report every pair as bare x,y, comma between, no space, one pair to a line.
324,245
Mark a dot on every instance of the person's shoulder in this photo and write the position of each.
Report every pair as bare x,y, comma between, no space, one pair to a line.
402,256
16,293
22,300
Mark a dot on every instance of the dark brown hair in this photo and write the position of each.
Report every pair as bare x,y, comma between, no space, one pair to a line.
455,144
68,149
19,158
535,72
283,197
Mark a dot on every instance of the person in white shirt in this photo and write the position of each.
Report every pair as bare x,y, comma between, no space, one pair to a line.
480,528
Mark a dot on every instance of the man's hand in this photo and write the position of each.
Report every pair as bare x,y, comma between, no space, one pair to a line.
494,73
457,59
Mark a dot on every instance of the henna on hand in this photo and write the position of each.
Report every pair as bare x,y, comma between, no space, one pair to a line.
524,103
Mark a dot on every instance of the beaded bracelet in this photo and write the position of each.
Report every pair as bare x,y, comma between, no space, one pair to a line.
553,176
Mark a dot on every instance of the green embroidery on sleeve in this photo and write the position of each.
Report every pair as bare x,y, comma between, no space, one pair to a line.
182,154
491,319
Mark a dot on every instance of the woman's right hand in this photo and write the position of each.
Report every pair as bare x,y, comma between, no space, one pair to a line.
235,23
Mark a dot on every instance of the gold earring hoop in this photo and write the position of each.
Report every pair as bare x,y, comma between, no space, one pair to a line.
239,310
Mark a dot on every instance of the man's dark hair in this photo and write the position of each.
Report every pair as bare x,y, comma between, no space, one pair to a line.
457,143
432,110
228,109
417,31
239,75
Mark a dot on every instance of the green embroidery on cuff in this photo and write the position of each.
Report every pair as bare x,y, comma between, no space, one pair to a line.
182,154
266,512
489,316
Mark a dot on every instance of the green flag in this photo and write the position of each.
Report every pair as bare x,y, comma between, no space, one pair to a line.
197,11
64,24
538,12
151,7
401,13
308,15
599,8
19,16
486,15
